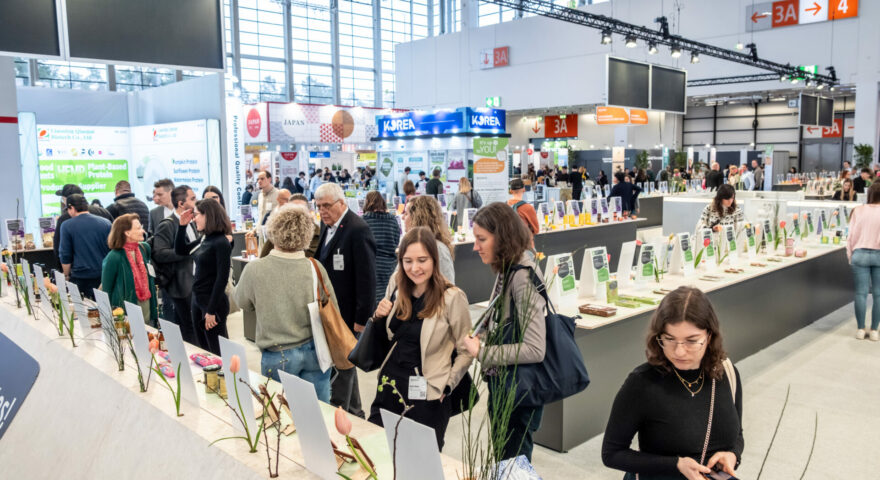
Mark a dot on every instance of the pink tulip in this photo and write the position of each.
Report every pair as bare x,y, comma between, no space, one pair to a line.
234,364
343,424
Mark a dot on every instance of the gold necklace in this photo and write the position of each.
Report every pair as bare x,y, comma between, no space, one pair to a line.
688,385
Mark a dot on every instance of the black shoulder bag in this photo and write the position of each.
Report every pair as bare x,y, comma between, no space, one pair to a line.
373,344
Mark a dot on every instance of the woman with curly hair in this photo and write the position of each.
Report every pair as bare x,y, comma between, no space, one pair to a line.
693,421
284,328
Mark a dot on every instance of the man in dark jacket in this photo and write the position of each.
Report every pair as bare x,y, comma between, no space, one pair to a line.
347,250
627,193
64,193
125,202
164,207
714,179
435,186
174,273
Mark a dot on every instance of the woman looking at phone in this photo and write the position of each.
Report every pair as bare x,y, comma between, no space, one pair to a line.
692,426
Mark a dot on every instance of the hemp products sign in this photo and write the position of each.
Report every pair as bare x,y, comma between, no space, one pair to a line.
491,169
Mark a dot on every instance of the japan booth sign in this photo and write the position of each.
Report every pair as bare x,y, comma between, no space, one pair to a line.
256,118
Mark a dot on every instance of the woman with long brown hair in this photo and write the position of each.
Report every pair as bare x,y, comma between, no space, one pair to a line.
847,192
723,210
426,319
693,421
425,211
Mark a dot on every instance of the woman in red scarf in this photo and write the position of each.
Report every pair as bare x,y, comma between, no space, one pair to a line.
127,275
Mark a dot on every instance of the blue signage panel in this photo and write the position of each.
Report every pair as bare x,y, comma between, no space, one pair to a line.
485,120
17,376
319,155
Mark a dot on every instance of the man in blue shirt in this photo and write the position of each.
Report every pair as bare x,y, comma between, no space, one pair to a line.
83,245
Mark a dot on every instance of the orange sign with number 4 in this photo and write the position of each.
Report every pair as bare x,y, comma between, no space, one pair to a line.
838,9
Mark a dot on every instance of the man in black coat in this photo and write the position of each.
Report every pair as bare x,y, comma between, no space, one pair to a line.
174,273
66,191
125,202
347,250
714,179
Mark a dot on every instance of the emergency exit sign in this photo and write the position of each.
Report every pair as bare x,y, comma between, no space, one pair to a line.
784,13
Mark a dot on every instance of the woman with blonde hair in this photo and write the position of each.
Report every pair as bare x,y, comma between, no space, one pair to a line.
425,211
464,199
284,325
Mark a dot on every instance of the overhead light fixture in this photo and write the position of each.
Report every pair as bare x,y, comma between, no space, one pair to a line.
675,51
695,57
752,144
739,45
631,42
832,88
809,83
606,37
820,86
783,78
652,48
707,145
794,81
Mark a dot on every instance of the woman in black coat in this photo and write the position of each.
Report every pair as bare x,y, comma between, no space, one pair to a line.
386,232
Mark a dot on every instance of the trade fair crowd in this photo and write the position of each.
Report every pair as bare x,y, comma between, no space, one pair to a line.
177,257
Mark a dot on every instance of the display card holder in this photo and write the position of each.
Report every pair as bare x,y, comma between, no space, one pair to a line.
559,278
837,236
246,212
625,263
596,210
616,208
418,455
228,348
650,188
62,294
139,337
664,187
844,215
311,431
559,207
645,265
577,217
728,236
751,242
595,274
587,193
82,313
179,361
468,220
105,313
45,301
822,230
28,280
544,210
709,253
683,257
603,205
809,222
395,201
767,233
607,190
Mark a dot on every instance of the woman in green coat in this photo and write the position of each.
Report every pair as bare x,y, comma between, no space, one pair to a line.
126,274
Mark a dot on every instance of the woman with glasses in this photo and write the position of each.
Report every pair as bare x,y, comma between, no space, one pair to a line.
692,424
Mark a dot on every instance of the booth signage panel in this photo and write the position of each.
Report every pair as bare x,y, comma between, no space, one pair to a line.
300,123
557,127
638,117
16,380
256,119
784,13
489,120
611,115
475,120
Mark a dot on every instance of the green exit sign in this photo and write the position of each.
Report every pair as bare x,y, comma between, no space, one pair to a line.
814,69
493,102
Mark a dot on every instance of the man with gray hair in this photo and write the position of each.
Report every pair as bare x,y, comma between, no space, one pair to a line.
347,250
714,178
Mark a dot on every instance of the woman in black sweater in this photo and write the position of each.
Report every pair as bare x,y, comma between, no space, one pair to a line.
670,400
211,259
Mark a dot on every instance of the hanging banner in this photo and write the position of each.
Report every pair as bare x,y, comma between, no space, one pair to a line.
299,123
638,117
560,126
611,115
256,119
490,169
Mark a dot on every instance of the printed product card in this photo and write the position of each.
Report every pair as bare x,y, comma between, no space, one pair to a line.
560,212
625,263
768,233
559,277
15,233
47,231
708,245
594,274
686,255
604,204
729,237
646,263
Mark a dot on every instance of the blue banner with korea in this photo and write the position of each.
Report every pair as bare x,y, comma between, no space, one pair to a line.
17,376
441,122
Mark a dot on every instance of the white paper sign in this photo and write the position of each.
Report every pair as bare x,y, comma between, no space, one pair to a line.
645,266
139,337
418,455
624,263
311,431
711,263
228,348
594,274
45,301
179,360
82,313
728,236
28,281
62,294
559,277
105,312
683,258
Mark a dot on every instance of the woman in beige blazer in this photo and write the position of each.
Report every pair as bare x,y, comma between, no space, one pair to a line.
426,323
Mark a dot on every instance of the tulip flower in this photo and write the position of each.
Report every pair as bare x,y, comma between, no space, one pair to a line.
118,312
782,224
4,267
638,243
154,346
706,242
234,364
343,424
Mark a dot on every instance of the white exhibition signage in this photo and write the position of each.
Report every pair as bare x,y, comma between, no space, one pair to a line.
625,263
728,235
418,455
303,124
236,164
491,169
178,151
179,361
594,274
708,242
256,119
559,278
311,431
683,257
228,348
645,265
139,337
82,313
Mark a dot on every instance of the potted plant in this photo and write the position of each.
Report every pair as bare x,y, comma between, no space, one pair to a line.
863,154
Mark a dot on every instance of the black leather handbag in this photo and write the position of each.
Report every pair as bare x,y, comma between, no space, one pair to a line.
373,344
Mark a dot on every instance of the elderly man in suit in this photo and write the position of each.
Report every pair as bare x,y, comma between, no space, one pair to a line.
347,250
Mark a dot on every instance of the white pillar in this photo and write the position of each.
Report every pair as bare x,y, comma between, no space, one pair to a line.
470,14
10,156
867,115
